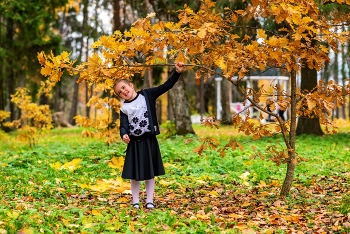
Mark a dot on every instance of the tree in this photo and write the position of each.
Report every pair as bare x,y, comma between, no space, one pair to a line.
73,111
312,125
26,28
205,42
244,26
308,125
177,97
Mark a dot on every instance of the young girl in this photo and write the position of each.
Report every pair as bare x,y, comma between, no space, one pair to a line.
138,129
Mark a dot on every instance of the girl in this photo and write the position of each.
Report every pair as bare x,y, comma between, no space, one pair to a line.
138,129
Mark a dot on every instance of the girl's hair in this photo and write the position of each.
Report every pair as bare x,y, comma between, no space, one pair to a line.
121,80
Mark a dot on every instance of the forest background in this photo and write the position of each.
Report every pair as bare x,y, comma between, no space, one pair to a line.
29,28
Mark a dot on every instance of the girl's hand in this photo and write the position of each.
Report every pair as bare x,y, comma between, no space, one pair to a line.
179,66
126,138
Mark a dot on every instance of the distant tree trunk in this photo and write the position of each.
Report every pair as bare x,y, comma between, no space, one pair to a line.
325,75
343,74
308,125
181,108
2,70
226,102
87,97
336,80
88,89
348,61
116,26
74,109
288,180
209,96
2,99
148,81
170,109
56,98
116,15
201,98
43,100
10,75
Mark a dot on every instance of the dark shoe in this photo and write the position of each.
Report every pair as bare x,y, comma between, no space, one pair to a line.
150,205
136,205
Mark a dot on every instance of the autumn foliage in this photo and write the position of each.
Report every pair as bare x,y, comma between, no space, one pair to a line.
35,120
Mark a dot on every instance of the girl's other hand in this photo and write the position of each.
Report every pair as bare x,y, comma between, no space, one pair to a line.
126,139
179,67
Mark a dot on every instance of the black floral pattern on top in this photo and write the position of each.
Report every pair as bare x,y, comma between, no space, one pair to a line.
145,114
143,123
138,131
135,120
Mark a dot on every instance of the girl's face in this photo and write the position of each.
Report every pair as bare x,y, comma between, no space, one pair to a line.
125,90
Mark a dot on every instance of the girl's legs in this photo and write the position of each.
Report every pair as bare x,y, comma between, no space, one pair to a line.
149,192
135,191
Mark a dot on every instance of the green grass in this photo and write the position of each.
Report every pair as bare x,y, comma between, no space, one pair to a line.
198,194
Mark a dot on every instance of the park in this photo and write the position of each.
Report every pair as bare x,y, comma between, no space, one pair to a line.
266,81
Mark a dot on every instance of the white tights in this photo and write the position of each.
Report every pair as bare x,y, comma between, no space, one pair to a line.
135,190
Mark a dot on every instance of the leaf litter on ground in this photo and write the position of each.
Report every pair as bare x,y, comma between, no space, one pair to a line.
77,188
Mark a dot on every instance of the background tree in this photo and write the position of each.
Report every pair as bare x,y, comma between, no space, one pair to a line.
243,26
311,125
26,28
177,96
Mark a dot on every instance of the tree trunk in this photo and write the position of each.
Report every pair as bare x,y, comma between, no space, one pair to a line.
336,79
9,70
170,108
88,89
2,99
308,125
343,76
74,107
2,70
181,108
148,79
201,98
226,102
288,180
116,15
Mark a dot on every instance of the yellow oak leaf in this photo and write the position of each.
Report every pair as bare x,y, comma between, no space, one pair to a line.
46,71
96,212
220,62
25,231
13,214
72,165
41,58
262,34
202,33
116,162
56,165
214,193
311,104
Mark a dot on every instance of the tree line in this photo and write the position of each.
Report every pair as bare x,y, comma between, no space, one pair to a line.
30,27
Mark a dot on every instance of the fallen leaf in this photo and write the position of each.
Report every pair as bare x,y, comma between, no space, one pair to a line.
25,231
96,212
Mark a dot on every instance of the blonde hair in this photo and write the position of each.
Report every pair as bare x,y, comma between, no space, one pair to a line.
121,80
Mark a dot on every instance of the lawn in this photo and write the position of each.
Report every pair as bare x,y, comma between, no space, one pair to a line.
70,184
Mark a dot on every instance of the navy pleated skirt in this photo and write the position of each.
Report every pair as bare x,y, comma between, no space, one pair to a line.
143,160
